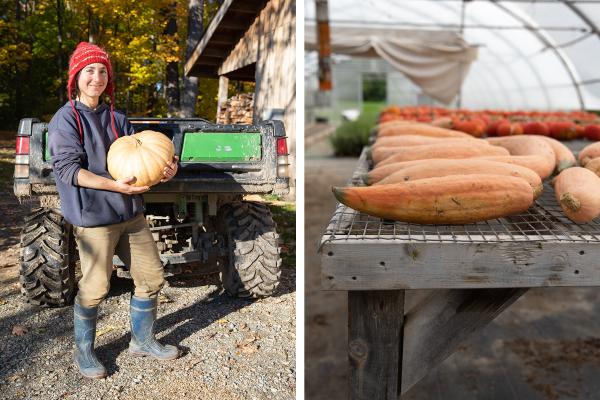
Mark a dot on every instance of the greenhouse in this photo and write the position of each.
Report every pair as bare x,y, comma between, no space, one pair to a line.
506,54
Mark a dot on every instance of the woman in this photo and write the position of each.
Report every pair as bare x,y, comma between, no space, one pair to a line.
106,214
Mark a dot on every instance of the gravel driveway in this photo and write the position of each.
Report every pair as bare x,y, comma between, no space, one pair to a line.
232,348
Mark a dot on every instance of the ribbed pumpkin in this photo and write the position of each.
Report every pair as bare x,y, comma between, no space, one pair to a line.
143,155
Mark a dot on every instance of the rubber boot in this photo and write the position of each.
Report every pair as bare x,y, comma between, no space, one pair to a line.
143,342
84,323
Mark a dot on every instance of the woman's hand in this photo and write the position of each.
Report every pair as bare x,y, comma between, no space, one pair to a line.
170,170
88,179
123,186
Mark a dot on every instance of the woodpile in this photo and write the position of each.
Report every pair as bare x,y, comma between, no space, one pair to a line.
237,110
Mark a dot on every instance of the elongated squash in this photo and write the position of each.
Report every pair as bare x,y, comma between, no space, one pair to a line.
415,140
438,168
589,152
380,153
418,129
537,163
527,145
388,124
454,199
594,165
444,150
563,156
578,192
381,171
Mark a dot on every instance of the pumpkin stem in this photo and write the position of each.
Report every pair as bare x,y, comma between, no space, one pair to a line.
139,142
570,202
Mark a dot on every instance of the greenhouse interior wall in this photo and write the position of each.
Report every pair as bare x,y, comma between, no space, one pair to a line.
532,55
346,97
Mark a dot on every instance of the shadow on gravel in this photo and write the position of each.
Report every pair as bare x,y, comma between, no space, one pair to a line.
10,292
195,317
16,352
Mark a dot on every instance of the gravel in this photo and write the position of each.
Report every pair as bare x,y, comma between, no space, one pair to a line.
233,348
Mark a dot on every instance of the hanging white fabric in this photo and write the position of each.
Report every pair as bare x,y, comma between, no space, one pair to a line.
436,61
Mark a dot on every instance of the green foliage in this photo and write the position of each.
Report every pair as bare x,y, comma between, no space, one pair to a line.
350,137
206,105
374,87
34,57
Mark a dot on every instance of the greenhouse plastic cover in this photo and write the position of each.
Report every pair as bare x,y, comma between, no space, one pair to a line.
531,54
437,62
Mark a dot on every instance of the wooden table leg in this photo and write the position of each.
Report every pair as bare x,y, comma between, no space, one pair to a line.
375,321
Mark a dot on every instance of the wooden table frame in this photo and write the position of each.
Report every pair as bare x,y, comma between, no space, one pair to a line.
413,300
412,304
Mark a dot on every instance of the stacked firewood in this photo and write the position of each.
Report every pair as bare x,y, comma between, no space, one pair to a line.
237,110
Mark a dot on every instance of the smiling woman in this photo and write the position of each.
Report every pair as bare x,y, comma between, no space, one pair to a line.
106,214
91,83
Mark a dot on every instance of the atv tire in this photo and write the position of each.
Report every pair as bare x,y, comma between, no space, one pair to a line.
47,272
252,267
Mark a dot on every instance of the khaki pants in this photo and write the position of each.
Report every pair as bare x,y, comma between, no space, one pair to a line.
132,241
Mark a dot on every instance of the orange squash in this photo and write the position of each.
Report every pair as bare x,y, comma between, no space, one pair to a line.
564,157
143,155
578,192
380,153
594,165
414,140
437,168
418,129
527,145
381,171
589,152
444,150
537,163
454,199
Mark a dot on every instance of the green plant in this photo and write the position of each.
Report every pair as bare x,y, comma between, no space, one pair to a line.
350,137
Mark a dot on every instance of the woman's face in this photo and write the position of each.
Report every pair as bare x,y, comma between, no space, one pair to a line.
92,80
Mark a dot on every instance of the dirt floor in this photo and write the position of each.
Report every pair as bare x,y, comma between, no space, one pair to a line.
545,346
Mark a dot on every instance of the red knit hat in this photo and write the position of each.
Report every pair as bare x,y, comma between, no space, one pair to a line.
84,55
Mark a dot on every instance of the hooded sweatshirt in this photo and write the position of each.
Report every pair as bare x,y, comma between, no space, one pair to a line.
83,206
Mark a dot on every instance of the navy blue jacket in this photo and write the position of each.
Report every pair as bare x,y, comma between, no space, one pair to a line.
84,206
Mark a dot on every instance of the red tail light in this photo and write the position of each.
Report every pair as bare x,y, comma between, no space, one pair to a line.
282,147
22,145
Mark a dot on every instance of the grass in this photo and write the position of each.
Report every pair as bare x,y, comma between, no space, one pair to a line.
284,215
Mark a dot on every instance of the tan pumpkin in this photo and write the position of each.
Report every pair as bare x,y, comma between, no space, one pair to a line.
143,155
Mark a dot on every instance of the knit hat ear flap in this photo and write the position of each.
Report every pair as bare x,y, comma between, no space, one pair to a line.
85,54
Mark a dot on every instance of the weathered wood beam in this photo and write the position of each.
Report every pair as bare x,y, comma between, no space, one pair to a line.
375,343
435,326
375,265
212,27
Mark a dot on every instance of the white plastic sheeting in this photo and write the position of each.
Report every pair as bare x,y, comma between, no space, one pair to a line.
436,61
532,54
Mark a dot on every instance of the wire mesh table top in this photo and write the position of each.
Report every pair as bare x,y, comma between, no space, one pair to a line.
544,221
